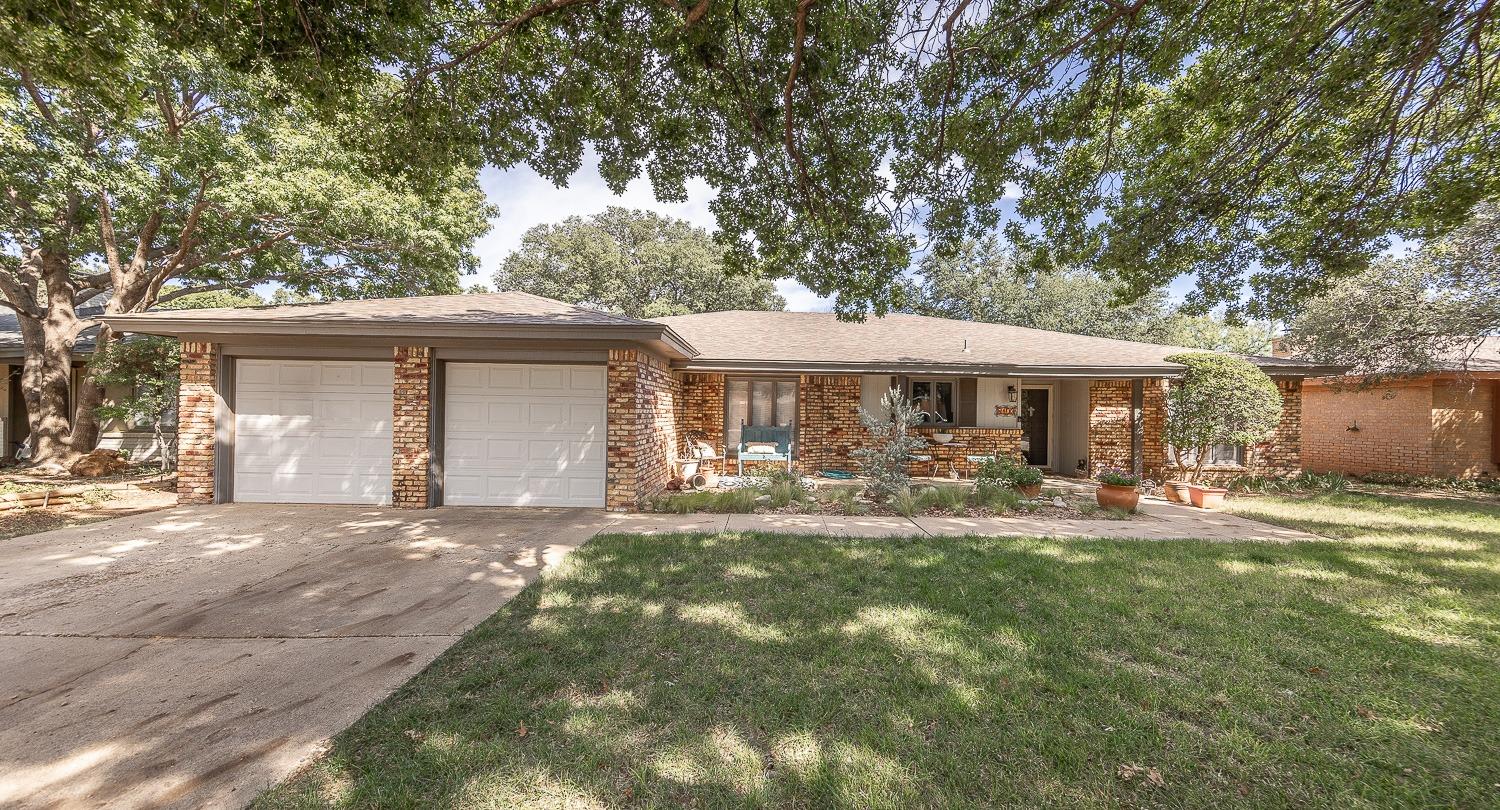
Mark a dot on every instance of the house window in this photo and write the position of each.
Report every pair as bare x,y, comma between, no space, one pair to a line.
757,402
935,399
1219,455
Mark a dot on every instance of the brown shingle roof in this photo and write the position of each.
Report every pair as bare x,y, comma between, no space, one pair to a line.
507,308
772,339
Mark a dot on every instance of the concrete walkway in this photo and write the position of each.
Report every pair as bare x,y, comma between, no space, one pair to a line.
1159,520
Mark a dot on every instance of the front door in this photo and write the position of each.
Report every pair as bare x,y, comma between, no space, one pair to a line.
1036,407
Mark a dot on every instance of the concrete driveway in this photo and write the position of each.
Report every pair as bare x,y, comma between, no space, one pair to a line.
196,655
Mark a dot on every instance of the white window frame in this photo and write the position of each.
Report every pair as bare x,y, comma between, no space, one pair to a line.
1190,458
951,382
732,448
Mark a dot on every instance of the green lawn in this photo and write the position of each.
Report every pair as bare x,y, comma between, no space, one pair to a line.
769,670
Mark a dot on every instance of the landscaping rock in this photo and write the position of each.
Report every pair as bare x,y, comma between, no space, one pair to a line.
98,464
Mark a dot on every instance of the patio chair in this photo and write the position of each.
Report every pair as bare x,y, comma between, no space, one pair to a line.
764,436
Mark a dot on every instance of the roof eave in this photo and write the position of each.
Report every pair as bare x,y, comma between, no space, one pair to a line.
660,336
962,369
920,367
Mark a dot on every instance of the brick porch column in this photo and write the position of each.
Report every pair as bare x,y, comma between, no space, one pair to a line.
197,407
641,436
1109,425
411,428
828,427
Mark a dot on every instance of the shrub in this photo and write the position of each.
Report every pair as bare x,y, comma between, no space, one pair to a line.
1301,482
1003,471
844,501
892,444
954,500
996,498
1433,482
1119,478
1219,400
905,502
786,492
733,501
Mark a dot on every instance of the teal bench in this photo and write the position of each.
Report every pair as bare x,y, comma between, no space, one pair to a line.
778,435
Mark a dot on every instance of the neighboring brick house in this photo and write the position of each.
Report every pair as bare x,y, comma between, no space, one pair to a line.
137,439
1442,424
516,400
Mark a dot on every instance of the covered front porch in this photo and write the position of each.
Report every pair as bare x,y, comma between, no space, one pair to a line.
1070,426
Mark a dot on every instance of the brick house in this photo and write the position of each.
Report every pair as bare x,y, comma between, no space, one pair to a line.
1442,424
512,399
136,438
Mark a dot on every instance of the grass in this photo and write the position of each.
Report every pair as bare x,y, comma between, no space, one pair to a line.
787,671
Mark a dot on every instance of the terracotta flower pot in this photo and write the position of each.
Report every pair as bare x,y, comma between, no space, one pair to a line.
1030,491
1208,497
1178,491
1117,497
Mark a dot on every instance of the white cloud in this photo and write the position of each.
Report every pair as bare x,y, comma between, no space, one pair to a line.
526,199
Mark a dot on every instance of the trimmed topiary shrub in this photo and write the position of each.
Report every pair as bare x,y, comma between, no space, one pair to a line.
1219,400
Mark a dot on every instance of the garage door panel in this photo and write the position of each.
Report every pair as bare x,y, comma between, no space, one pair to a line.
524,435
587,378
313,431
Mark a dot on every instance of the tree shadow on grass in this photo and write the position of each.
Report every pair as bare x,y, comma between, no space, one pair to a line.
776,670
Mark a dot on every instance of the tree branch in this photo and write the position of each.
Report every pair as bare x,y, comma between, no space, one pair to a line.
36,96
504,29
167,298
793,150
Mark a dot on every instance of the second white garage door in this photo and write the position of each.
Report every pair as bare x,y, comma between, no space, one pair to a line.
312,431
523,435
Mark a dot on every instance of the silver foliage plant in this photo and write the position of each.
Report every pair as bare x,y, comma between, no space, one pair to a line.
883,463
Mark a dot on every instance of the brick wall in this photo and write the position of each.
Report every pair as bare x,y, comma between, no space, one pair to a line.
700,406
197,402
1463,419
1002,442
642,434
828,428
1154,459
1282,453
1395,428
411,448
1109,425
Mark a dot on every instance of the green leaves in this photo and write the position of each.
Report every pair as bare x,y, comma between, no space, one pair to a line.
1416,314
1219,400
1263,145
636,263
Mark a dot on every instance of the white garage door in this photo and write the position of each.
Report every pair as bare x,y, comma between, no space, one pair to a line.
312,431
523,435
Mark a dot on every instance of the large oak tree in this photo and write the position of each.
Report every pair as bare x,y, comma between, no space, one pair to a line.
636,263
1259,142
184,176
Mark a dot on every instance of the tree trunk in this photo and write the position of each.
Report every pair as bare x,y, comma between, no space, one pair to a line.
46,374
88,397
44,387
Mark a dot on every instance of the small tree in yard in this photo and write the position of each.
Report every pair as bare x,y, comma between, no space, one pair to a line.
1219,400
891,447
148,367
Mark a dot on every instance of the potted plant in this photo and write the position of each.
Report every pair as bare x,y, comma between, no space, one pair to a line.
1118,490
1026,480
1218,400
1012,474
